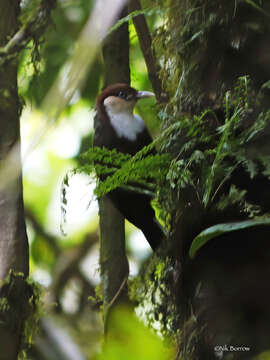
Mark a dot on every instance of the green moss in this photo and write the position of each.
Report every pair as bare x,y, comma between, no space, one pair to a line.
24,304
205,151
213,125
4,305
33,312
152,290
196,42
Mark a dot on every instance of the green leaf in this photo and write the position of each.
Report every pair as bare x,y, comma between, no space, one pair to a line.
266,85
220,229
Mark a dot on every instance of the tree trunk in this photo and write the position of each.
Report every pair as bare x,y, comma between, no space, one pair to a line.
13,238
113,260
226,287
217,71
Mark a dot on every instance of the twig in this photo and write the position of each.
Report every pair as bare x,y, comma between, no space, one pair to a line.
112,303
117,294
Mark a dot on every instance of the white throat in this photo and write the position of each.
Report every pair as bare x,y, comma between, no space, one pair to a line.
125,124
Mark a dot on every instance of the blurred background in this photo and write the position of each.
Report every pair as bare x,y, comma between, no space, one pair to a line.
64,249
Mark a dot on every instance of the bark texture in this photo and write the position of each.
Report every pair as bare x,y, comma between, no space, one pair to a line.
13,238
224,293
113,260
116,55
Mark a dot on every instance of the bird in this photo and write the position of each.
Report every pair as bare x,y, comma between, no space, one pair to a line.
117,127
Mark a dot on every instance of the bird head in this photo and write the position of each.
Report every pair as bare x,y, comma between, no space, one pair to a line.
120,98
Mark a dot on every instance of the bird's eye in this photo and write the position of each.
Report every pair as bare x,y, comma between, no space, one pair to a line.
121,94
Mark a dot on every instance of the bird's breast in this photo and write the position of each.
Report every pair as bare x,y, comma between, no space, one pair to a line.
126,126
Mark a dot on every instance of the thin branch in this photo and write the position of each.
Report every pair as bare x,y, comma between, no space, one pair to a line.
117,294
40,230
146,47
121,292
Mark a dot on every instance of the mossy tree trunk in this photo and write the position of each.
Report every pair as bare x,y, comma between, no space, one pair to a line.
113,259
227,283
224,293
13,238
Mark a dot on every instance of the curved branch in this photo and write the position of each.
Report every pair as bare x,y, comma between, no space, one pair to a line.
68,266
29,215
146,47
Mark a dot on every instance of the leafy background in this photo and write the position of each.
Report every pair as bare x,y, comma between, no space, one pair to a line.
205,150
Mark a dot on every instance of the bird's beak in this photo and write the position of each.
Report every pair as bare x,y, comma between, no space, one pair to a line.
144,94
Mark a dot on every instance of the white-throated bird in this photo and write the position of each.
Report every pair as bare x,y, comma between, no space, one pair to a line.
116,127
